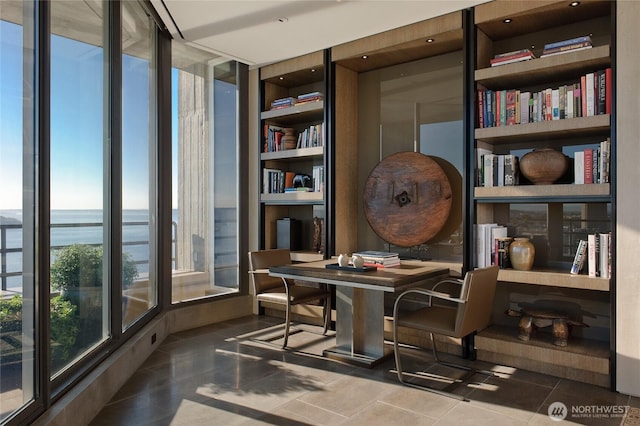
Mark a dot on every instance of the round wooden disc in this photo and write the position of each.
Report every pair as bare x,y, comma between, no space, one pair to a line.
407,199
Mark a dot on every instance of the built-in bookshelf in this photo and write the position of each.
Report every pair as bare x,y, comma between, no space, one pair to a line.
292,152
555,216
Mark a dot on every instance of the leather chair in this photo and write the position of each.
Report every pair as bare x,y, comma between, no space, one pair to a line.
283,291
459,315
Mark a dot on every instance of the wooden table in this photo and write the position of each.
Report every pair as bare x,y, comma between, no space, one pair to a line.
360,303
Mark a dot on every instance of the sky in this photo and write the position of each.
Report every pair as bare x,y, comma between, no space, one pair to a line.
77,95
77,130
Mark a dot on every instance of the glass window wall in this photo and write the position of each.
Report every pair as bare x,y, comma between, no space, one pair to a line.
17,207
139,159
205,175
79,179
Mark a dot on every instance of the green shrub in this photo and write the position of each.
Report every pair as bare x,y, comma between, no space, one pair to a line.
80,265
11,314
64,328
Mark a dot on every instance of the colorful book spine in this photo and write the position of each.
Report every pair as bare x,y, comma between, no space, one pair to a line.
588,165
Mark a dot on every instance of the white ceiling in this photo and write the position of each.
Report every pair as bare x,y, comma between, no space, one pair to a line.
251,31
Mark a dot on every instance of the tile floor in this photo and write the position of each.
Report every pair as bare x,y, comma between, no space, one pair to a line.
217,375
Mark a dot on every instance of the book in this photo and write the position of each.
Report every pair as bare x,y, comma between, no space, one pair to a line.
487,170
503,108
579,258
497,233
298,189
483,244
513,53
386,263
603,255
317,177
593,259
588,165
376,254
503,252
309,96
565,49
578,168
283,102
500,170
481,110
519,57
379,259
479,165
510,170
590,95
601,92
581,39
510,107
524,107
489,107
555,104
608,73
605,161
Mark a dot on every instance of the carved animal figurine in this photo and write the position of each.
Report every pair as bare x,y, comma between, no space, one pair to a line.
531,319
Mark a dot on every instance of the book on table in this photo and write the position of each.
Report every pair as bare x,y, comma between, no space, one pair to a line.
380,259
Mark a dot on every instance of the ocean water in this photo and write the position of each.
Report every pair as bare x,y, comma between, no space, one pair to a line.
85,227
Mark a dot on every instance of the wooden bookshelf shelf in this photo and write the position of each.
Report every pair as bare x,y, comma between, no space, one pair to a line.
582,359
286,154
554,279
547,69
293,198
295,114
554,129
546,192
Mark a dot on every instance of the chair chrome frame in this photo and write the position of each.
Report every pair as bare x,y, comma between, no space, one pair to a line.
461,327
286,295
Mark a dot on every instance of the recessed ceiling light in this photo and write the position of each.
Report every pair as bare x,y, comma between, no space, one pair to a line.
281,78
283,19
313,70
430,40
507,21
574,3
364,56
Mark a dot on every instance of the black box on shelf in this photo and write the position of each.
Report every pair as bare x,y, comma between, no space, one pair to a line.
288,234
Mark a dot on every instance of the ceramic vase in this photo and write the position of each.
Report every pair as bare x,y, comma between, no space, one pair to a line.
521,254
543,166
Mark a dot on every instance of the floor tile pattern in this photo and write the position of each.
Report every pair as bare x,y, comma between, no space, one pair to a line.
221,375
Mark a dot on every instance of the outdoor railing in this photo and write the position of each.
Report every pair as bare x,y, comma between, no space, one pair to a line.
5,274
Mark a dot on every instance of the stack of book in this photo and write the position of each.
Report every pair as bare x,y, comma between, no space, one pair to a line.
511,57
379,259
566,46
283,103
309,97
